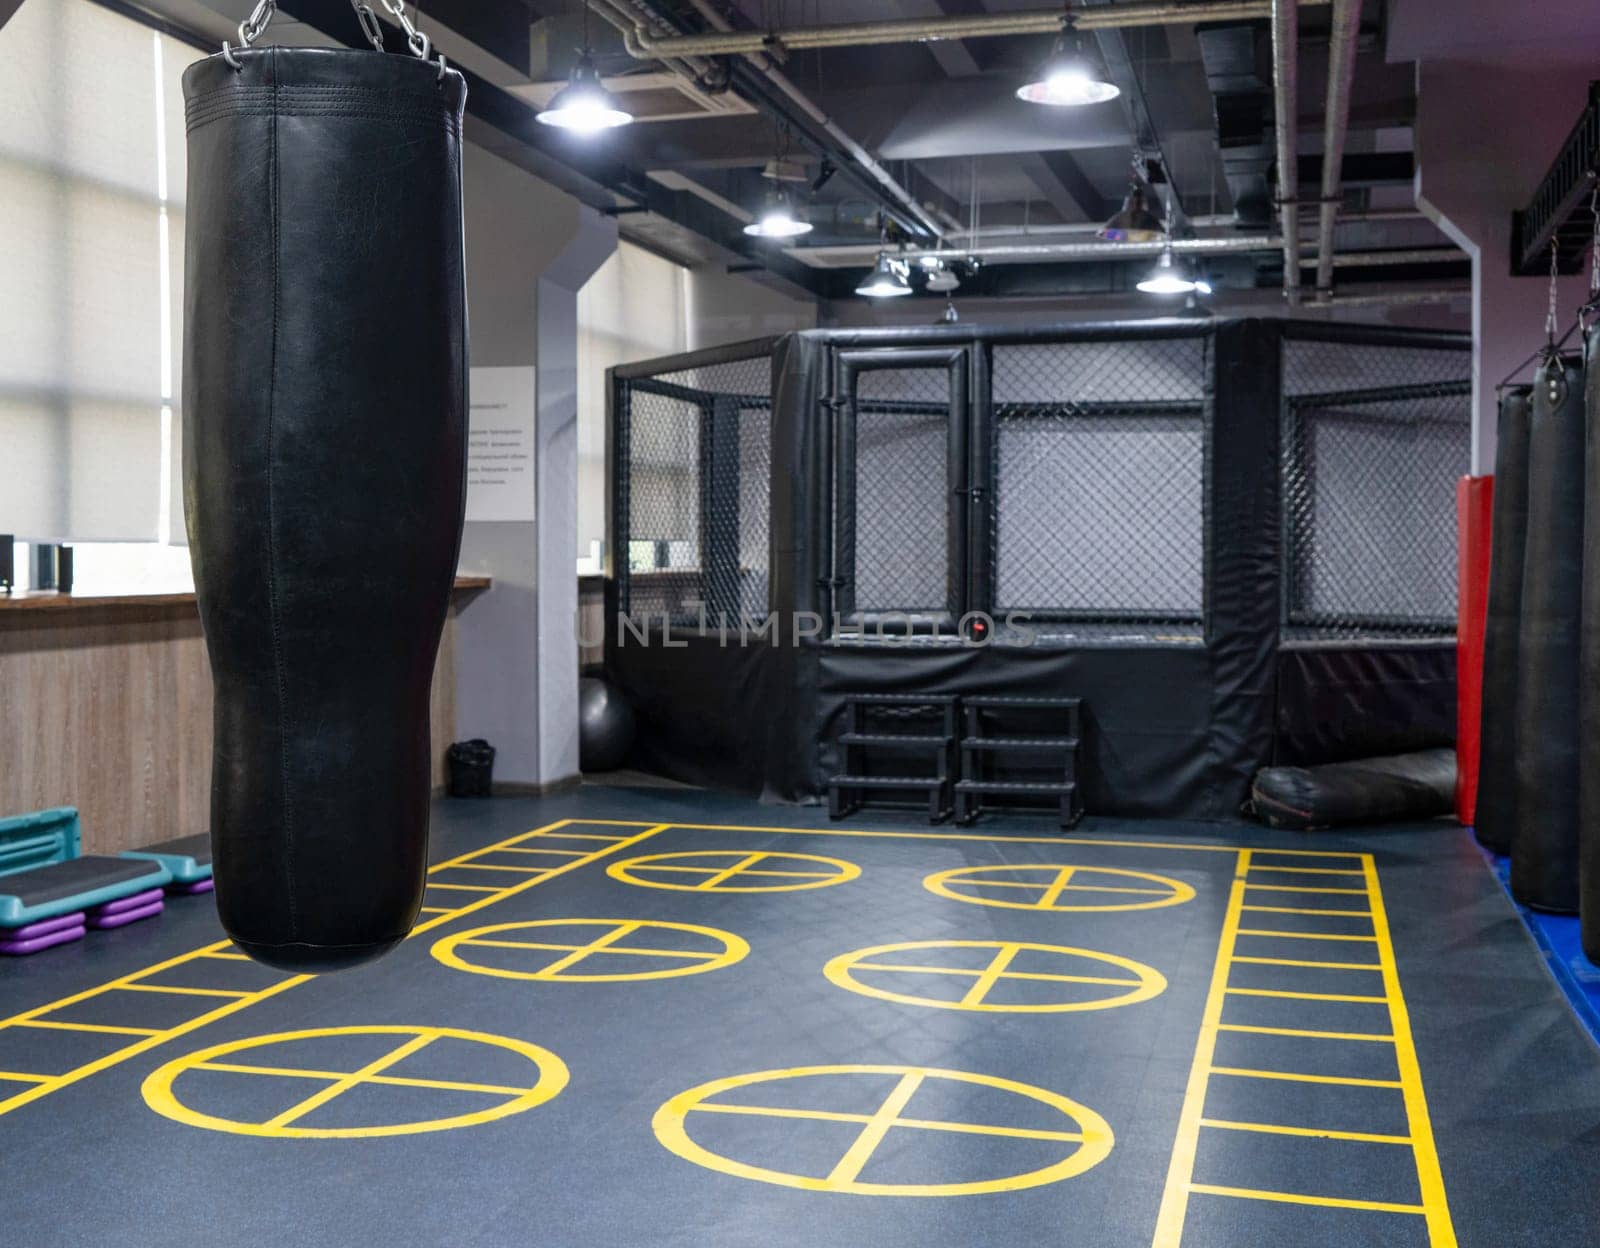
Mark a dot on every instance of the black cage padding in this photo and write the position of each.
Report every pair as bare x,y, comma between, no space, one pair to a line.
1173,506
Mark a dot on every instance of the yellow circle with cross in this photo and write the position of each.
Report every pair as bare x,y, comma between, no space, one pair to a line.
733,871
1005,963
1046,886
252,1058
593,951
888,1095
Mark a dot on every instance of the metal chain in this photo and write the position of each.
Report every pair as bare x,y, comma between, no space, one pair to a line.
1550,315
1594,242
250,29
261,16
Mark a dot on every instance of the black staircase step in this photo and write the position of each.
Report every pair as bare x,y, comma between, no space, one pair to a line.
1019,743
887,782
1000,788
1004,699
896,740
901,699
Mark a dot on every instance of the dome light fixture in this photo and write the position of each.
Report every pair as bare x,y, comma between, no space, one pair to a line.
1133,222
1071,77
584,106
886,281
778,218
1168,277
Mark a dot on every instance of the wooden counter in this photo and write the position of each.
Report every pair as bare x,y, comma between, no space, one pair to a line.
105,704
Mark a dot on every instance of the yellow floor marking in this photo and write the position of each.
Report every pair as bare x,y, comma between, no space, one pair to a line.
583,951
19,1077
1272,1128
45,1085
53,1025
782,875
343,1084
1091,1133
1070,888
1050,895
877,1126
1437,1208
420,910
465,888
159,1095
1316,962
1304,996
711,881
1343,914
629,950
395,1081
1294,1198
1250,931
492,866
1293,1076
1294,888
1305,1032
183,992
950,883
1312,870
558,853
591,836
917,969
990,975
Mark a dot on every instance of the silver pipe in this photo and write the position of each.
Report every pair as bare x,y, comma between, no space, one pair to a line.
905,199
1285,102
1387,298
729,42
1415,255
1336,122
1232,244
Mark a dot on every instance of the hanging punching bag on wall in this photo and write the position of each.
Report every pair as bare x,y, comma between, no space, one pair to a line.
1589,805
1544,851
324,395
1496,816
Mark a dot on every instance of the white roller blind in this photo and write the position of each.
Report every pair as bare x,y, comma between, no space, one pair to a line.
91,183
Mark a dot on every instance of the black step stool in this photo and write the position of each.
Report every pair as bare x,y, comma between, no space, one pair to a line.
981,741
872,729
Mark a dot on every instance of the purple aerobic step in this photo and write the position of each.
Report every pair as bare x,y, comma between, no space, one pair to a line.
104,922
29,931
61,936
191,888
122,905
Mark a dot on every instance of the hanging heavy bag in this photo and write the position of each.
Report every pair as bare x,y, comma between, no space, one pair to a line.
1544,851
1589,782
1496,809
324,394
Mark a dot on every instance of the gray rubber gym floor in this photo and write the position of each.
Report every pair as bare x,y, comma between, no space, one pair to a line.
668,1018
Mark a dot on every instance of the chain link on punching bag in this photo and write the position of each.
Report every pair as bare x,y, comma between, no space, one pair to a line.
1544,852
1496,808
324,475
1589,843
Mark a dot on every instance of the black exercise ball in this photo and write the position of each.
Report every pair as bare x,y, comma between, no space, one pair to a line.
605,725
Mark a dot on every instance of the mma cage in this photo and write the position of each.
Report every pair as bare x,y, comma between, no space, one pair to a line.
1234,540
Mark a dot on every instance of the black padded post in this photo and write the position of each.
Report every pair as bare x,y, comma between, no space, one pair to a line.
1508,536
325,360
1589,771
1544,852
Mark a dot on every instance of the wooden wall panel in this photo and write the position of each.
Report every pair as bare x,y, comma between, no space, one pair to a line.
108,708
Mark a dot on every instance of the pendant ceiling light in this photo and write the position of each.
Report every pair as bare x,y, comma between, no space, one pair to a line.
1133,222
1168,277
1072,76
584,106
885,281
777,218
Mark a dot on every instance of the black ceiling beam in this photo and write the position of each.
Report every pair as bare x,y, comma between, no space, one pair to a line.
1362,168
1243,114
1550,213
497,26
1064,184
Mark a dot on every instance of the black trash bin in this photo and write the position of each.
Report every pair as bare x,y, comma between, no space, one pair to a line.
471,766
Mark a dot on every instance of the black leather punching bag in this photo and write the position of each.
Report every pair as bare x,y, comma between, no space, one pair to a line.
1589,790
324,420
1544,851
1496,817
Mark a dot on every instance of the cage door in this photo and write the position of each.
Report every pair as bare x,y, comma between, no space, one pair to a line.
900,483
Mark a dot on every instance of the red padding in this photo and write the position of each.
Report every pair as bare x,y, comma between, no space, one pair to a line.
1474,503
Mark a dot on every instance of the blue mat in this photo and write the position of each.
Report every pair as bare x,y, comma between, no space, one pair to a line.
1558,940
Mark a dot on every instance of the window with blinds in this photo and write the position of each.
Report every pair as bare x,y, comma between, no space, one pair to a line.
91,283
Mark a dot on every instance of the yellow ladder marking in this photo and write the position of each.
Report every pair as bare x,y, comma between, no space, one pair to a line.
1295,888
143,1040
1295,1198
53,1025
1272,1128
493,866
1343,914
1312,870
1181,1186
465,888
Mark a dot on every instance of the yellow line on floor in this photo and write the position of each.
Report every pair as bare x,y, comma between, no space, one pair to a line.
1305,1032
1435,1205
877,1126
631,951
182,992
107,1028
344,1083
396,1081
1295,1198
1295,1076
1311,870
1342,914
1272,1128
1305,996
1296,888
1252,931
1316,962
